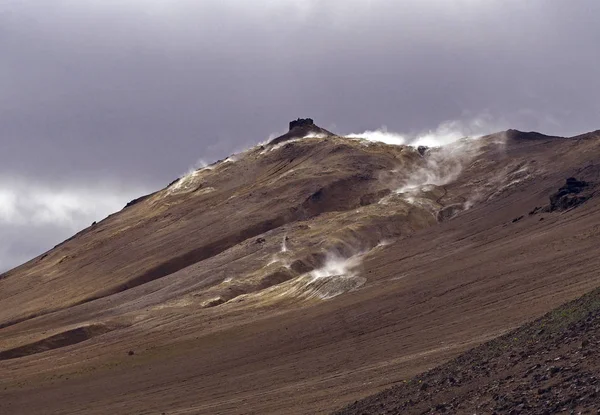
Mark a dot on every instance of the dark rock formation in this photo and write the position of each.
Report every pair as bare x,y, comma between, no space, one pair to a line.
572,194
301,128
422,150
301,122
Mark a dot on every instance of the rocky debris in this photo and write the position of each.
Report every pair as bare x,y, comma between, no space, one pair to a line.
545,367
301,122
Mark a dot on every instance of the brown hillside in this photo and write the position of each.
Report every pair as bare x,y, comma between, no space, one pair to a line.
300,276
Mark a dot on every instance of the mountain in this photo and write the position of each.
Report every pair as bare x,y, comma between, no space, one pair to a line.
301,275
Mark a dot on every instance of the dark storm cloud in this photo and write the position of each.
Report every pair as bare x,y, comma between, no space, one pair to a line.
132,88
135,91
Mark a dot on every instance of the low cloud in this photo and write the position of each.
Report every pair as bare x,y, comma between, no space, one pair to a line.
35,216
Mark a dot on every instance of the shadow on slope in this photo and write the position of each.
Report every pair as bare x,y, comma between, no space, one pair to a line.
63,339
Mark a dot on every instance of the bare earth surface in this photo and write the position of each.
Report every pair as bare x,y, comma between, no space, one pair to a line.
549,366
302,276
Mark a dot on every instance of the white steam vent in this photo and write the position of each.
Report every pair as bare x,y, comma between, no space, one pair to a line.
442,166
338,275
446,133
315,135
190,181
381,136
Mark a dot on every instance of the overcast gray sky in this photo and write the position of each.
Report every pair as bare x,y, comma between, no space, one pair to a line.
103,100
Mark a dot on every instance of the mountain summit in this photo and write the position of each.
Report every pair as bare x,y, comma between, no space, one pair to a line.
299,278
301,128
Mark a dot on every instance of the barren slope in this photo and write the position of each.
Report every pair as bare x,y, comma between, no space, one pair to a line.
548,366
297,277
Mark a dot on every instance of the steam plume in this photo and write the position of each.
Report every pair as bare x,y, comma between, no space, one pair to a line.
446,133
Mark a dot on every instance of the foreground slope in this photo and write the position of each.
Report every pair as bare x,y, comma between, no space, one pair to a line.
548,366
300,276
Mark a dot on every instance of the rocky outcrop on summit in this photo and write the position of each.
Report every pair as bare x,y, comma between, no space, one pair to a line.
301,122
301,128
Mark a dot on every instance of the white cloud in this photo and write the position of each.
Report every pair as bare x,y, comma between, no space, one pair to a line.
35,216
